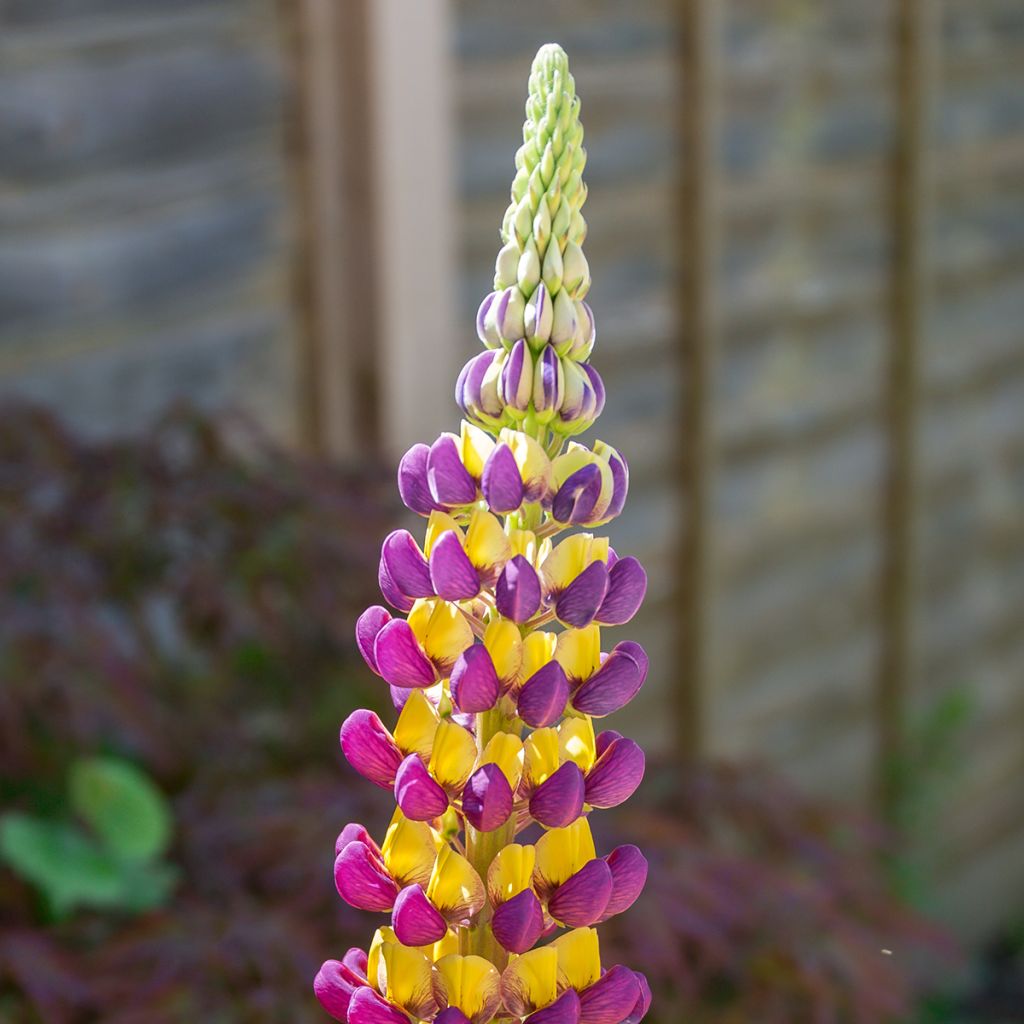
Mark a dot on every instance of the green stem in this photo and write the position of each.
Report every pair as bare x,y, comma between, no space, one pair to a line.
481,849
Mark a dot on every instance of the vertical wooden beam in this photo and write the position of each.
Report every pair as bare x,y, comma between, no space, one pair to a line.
337,376
916,46
415,214
698,103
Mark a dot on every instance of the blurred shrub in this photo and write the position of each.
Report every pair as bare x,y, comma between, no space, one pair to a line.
186,601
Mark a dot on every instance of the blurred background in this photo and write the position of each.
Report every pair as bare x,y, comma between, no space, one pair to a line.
241,248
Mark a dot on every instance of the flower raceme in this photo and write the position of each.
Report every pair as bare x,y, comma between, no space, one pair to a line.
493,651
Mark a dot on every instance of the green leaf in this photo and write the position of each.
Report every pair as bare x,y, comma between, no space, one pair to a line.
122,806
62,861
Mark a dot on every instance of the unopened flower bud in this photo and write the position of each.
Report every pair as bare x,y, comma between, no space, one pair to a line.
564,324
583,342
548,385
504,318
528,271
575,271
537,318
476,391
516,386
506,264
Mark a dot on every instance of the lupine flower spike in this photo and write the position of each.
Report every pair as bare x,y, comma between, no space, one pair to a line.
492,649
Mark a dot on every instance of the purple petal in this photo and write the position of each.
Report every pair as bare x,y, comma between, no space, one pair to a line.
518,591
367,1007
353,832
451,571
362,880
620,485
449,480
610,999
627,584
574,501
481,317
334,985
547,395
391,590
615,683
406,564
643,1004
452,1015
412,480
368,625
605,739
544,696
564,1010
474,682
418,794
518,923
578,603
629,876
487,798
517,378
369,748
399,658
501,483
616,774
558,801
599,392
415,919
580,901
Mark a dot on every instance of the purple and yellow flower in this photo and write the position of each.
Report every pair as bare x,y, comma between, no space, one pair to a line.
491,645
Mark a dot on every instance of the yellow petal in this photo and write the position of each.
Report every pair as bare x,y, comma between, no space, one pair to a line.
538,650
443,947
486,542
455,888
405,979
578,651
575,458
470,983
579,957
506,751
540,755
533,462
442,631
438,523
454,755
416,725
373,957
504,643
409,849
571,557
523,542
577,742
530,981
561,852
511,872
475,445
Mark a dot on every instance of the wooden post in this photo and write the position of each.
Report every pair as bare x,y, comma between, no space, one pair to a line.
698,212
916,44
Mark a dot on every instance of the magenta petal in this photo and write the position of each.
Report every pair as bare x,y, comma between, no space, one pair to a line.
616,774
629,876
544,696
391,590
449,480
362,880
501,483
580,901
334,985
575,500
518,591
356,960
353,832
367,1007
474,682
369,748
451,571
418,793
578,603
643,1004
615,683
487,798
611,999
564,1010
412,480
406,564
627,585
518,923
400,659
558,801
452,1015
416,921
368,625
